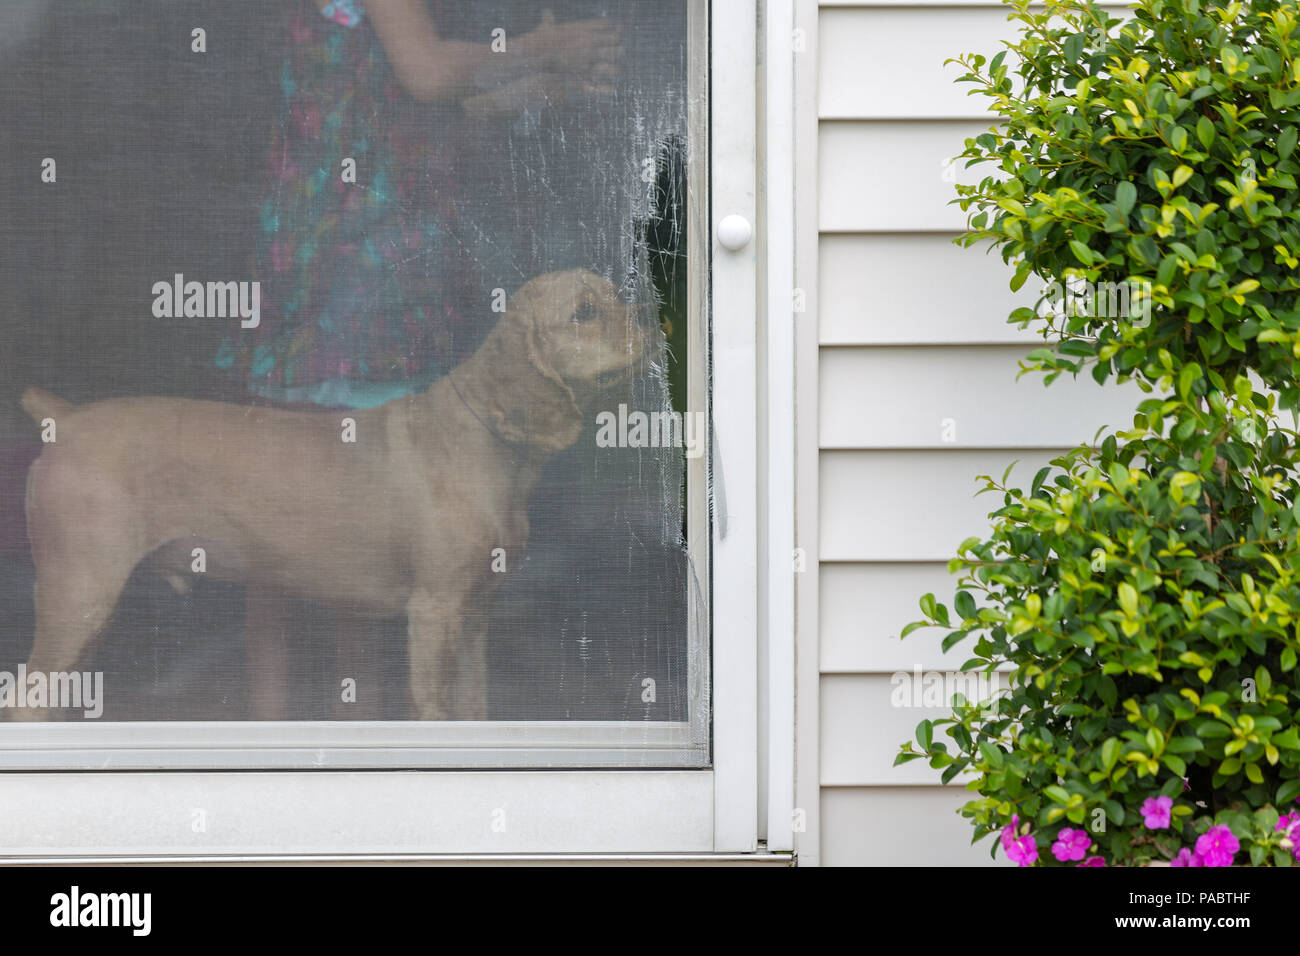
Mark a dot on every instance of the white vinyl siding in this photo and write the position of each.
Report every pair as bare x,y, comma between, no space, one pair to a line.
911,331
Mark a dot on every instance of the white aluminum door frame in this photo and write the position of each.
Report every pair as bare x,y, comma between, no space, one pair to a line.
201,814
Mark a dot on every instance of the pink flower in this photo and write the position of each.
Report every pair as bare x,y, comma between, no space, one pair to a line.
1217,846
1071,844
1009,831
1021,851
1156,811
1289,824
1186,857
1093,861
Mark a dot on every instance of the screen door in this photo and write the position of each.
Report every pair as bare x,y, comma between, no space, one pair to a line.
354,406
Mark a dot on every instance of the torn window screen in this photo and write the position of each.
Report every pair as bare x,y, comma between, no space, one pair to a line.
345,378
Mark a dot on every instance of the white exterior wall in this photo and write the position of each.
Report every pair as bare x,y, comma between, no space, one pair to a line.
903,331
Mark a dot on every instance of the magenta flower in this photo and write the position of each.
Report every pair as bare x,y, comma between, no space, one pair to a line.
1093,861
1071,844
1186,857
1021,851
1009,831
1156,811
1217,846
1289,824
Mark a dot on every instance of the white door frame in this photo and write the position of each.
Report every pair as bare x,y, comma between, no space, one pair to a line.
398,814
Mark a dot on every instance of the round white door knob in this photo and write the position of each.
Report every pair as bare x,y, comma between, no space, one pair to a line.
734,232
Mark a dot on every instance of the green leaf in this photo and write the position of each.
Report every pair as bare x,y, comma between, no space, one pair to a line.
1185,485
928,605
1110,753
1118,476
1125,197
1213,730
1286,141
1057,793
1128,598
925,734
1263,681
1022,273
1205,131
1114,811
964,604
1081,252
913,626
1289,739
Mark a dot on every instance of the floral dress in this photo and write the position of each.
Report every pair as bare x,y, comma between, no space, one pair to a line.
358,279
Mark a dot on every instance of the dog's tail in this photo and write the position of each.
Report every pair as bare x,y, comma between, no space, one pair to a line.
40,404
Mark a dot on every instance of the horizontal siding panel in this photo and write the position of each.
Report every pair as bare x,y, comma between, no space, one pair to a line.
930,397
889,176
899,826
863,725
863,607
888,62
911,505
921,289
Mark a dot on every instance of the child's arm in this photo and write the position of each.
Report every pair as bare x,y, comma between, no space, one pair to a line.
433,69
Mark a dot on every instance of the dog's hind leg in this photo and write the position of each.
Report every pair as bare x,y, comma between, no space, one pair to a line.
74,601
83,561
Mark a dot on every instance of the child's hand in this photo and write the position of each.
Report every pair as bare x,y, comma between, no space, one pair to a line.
588,50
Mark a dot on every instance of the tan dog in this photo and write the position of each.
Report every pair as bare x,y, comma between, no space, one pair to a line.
404,519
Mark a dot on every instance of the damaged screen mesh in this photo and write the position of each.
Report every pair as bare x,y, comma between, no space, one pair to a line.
346,372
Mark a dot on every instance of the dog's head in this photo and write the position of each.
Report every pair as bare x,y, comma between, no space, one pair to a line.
565,338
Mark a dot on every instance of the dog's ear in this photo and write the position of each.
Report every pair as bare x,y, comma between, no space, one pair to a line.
531,403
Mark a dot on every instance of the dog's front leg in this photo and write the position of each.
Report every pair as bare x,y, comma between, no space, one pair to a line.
471,689
434,629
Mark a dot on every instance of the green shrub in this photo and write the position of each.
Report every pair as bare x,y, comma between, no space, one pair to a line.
1145,587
